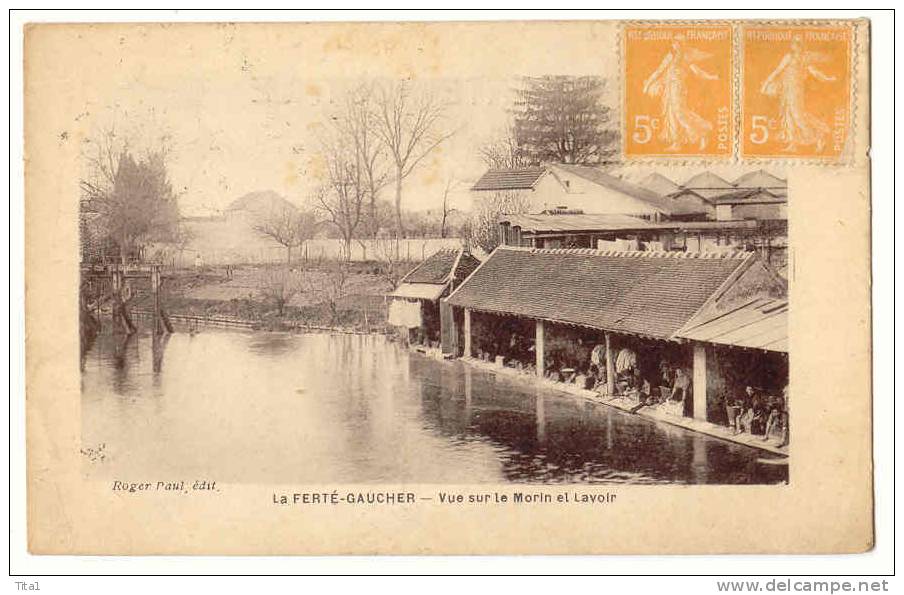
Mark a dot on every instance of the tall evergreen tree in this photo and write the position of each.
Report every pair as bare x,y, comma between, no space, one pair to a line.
562,119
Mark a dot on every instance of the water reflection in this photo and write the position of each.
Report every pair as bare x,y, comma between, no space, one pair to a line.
244,406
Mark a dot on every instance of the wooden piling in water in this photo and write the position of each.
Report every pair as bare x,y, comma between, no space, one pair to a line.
120,310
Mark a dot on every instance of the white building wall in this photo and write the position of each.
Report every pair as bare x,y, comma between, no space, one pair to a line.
579,193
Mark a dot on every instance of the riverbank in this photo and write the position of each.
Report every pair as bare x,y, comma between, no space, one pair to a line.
245,297
658,413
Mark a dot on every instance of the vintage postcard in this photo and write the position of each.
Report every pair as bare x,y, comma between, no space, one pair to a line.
583,287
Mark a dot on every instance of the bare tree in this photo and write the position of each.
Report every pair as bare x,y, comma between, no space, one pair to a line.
288,226
278,285
387,254
342,198
451,184
408,125
483,227
182,237
358,123
334,287
505,152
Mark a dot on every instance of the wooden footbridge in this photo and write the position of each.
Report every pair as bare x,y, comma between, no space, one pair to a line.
115,288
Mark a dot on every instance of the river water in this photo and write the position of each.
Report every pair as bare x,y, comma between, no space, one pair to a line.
281,408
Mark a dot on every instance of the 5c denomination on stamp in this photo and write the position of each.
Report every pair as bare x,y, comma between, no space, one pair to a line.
678,91
796,91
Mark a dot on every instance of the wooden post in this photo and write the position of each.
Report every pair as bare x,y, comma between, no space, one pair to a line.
540,349
468,352
700,381
120,312
610,367
155,290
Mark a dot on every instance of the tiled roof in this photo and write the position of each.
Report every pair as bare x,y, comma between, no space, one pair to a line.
644,293
760,179
509,179
438,267
593,222
467,264
419,291
601,178
761,323
435,269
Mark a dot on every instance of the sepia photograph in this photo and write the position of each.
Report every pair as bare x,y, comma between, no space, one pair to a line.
348,279
461,282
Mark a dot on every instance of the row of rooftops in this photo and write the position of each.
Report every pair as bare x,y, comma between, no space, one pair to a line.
656,190
708,182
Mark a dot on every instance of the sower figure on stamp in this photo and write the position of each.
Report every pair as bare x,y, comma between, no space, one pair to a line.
680,124
799,127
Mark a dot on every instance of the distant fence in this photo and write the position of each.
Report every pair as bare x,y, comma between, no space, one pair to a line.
411,249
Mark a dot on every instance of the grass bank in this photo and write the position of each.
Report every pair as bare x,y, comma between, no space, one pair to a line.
245,294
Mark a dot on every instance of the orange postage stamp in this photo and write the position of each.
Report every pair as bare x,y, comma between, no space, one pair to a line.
678,90
796,91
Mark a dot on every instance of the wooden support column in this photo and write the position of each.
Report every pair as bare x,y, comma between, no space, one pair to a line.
540,348
700,381
610,367
468,351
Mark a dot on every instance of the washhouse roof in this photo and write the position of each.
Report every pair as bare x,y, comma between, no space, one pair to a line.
760,323
645,293
428,279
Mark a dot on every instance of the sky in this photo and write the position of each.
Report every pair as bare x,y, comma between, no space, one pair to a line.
226,138
240,104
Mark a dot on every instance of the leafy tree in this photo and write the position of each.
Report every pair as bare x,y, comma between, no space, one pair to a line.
129,200
559,119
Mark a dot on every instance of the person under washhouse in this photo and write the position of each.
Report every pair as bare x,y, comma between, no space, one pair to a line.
666,381
681,385
733,409
775,419
552,370
753,419
639,389
598,375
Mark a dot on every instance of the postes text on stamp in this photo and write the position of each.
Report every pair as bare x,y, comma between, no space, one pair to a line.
796,91
678,90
